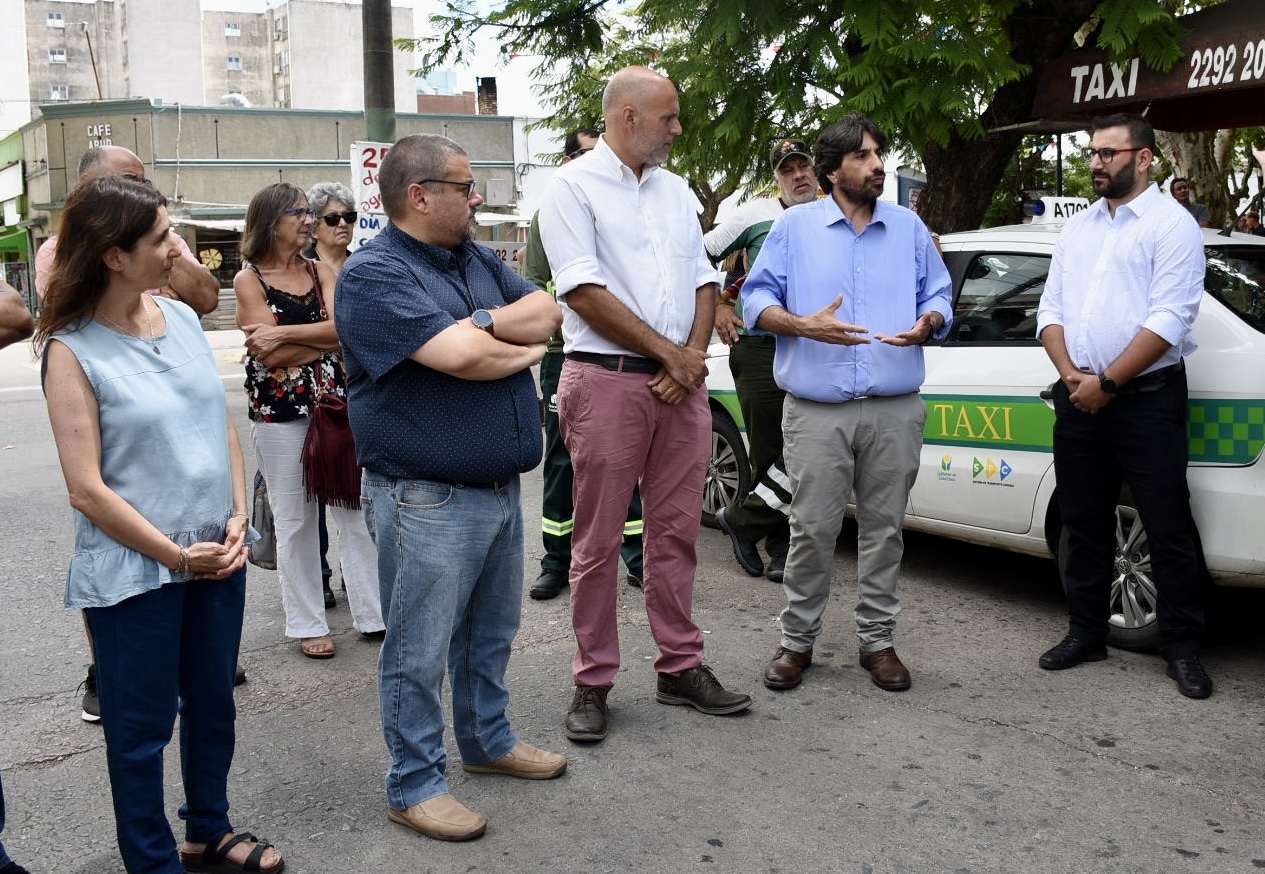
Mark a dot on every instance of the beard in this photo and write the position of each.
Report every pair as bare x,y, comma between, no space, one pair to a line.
864,194
1113,187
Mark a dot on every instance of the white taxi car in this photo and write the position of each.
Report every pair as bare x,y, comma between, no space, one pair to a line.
987,473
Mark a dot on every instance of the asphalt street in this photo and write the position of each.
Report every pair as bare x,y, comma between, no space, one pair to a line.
987,764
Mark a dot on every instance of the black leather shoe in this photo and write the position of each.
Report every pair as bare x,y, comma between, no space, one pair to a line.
777,568
586,720
1070,652
548,585
329,595
744,550
699,688
1192,680
633,580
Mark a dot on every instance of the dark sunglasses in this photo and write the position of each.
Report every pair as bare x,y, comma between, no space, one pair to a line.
578,152
332,218
299,212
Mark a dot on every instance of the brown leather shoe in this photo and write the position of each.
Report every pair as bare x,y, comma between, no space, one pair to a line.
787,668
886,669
525,761
443,818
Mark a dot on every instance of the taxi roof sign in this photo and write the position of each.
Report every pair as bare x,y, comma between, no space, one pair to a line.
1055,210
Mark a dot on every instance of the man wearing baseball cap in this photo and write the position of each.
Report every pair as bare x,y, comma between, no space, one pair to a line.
762,513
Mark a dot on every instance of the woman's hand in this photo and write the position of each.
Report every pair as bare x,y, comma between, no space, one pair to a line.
262,342
215,561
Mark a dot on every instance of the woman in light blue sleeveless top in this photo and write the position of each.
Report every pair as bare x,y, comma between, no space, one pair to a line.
157,484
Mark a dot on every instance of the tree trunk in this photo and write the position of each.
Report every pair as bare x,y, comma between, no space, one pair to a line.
1194,155
963,173
961,179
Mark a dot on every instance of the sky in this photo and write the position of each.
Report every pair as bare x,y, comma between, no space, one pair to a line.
514,95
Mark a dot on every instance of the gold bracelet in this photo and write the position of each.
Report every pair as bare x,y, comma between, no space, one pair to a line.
183,567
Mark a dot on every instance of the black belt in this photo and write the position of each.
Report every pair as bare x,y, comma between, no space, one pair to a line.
492,485
617,363
1152,381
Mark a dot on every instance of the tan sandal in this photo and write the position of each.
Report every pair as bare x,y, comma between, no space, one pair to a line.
318,647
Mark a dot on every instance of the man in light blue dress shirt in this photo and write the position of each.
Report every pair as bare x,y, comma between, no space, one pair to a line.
852,287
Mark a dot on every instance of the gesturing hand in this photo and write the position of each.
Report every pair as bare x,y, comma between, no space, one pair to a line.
825,326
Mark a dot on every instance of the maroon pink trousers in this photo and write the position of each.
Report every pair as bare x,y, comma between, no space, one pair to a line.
619,434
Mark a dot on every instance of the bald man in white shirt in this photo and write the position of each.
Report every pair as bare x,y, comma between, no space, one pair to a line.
638,298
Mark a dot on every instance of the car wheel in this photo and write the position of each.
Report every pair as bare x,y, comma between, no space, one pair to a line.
728,469
1133,623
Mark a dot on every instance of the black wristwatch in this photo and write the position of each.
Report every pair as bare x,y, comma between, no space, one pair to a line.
1107,383
482,320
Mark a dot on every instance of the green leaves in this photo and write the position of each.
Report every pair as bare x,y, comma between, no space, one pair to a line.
937,75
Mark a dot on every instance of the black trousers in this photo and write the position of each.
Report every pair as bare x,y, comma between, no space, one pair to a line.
1138,439
761,400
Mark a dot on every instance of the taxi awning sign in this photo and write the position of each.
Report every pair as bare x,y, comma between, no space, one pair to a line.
1219,82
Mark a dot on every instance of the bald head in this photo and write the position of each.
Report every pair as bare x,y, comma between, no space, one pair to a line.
629,87
101,161
642,116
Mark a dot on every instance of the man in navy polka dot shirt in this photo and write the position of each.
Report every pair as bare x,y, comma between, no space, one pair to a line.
439,337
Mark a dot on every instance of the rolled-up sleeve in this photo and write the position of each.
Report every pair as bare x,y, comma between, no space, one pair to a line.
569,235
765,285
1177,283
935,292
1050,309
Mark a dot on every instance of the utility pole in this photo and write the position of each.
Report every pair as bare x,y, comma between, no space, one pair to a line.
83,28
379,71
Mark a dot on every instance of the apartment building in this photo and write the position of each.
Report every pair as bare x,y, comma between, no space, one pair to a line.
300,54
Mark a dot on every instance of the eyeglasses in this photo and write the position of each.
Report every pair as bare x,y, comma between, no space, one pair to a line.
578,152
468,186
1106,155
333,218
299,212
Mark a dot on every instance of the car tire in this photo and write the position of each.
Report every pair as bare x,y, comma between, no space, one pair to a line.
728,469
1133,624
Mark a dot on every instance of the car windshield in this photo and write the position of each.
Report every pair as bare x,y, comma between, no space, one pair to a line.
1236,277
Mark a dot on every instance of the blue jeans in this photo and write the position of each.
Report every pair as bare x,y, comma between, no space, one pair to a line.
172,649
450,568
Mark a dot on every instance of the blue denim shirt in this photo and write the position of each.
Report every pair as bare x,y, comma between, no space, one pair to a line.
410,421
889,275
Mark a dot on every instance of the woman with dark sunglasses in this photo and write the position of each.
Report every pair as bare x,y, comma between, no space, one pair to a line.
334,219
285,305
333,205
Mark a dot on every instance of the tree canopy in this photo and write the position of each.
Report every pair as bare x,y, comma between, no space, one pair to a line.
944,78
